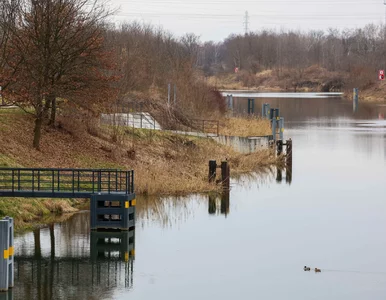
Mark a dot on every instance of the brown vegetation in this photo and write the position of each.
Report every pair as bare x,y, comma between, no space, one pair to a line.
316,61
164,163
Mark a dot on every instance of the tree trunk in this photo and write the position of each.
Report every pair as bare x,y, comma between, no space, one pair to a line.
37,132
52,100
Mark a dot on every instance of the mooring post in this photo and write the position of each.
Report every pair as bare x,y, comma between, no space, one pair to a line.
4,255
289,161
212,170
279,147
225,174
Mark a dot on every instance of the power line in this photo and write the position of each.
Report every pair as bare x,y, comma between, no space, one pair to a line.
246,24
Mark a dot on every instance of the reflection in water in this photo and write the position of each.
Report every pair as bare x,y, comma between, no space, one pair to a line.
219,204
301,108
66,261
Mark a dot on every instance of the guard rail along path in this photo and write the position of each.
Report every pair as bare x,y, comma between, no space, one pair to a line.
111,191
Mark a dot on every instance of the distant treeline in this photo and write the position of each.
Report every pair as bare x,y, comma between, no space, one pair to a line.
360,52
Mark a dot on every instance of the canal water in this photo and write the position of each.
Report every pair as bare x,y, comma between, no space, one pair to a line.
331,215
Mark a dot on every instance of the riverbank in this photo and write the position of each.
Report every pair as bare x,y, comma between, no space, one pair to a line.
312,79
164,163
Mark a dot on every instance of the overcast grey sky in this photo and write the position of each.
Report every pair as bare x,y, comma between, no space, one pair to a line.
216,19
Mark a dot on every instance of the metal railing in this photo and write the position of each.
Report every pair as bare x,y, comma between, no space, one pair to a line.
25,182
206,126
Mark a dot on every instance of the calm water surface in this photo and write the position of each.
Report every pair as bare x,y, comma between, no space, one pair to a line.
332,216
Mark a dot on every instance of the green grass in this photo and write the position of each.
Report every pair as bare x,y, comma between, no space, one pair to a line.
6,161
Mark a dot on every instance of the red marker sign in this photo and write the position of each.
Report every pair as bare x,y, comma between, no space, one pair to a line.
381,75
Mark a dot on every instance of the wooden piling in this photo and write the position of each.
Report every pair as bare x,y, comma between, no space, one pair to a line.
279,147
288,161
289,151
212,170
225,174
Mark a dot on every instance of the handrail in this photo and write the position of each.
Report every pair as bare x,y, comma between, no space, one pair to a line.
207,126
28,182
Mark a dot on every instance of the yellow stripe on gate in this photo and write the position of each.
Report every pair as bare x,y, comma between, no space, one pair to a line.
126,204
126,256
6,254
133,202
132,252
11,251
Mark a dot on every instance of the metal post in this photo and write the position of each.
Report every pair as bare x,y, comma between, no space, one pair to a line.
274,128
4,255
231,101
265,110
355,99
11,253
251,106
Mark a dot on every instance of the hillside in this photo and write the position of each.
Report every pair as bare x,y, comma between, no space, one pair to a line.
164,163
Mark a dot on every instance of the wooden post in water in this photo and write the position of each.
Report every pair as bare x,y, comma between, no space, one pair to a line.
225,175
279,147
288,161
212,170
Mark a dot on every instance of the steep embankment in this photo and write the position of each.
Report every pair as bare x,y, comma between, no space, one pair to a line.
164,163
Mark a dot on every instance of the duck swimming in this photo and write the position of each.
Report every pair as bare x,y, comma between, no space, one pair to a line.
317,270
307,268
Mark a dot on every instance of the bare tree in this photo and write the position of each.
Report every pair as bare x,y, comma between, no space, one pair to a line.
50,46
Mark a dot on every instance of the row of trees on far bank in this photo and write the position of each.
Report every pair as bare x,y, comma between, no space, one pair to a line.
360,52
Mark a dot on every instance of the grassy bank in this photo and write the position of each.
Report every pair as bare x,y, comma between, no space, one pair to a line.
164,163
311,79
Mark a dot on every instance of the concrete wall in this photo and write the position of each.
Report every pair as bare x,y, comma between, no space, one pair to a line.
244,144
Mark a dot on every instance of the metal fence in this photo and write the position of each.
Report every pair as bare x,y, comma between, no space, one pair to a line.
26,182
206,126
